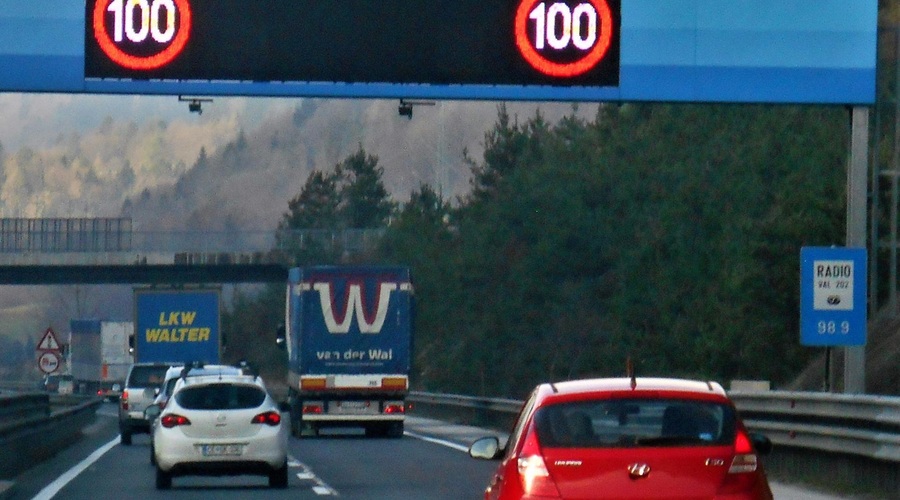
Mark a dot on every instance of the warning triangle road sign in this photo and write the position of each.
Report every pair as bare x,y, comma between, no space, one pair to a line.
48,342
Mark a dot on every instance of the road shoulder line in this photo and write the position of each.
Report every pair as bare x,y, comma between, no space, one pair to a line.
53,488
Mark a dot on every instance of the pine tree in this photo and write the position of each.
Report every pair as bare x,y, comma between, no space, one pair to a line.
365,202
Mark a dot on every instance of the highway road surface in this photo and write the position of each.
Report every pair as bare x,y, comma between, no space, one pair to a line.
429,462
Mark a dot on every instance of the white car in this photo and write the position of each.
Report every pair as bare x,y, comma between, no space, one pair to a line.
165,390
220,425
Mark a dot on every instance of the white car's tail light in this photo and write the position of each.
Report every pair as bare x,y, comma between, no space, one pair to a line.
272,418
173,420
124,400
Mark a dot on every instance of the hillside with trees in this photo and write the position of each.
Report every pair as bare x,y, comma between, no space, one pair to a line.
668,234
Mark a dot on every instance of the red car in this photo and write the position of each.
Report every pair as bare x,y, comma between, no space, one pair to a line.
634,438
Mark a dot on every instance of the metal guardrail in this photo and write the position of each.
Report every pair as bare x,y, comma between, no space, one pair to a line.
18,408
867,426
38,432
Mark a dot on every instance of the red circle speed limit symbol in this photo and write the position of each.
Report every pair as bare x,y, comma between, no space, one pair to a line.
142,34
563,38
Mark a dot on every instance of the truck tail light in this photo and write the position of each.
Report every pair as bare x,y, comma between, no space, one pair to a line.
392,408
173,420
740,477
124,400
313,408
533,473
270,418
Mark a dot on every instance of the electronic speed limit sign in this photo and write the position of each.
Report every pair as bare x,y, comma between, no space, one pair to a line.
564,38
571,43
141,34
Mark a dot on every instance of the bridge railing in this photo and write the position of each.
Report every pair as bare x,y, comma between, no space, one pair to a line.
115,235
841,440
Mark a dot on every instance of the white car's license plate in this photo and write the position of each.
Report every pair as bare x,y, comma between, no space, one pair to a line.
221,450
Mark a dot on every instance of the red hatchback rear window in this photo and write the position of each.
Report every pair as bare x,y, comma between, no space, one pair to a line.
627,423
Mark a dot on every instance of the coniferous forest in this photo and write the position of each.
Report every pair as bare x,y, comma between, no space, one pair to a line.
667,234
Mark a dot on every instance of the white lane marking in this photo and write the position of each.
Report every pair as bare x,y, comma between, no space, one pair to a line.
53,488
323,490
442,442
307,474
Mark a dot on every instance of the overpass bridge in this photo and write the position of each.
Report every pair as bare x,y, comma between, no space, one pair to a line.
110,251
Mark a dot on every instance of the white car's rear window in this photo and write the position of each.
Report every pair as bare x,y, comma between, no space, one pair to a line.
220,396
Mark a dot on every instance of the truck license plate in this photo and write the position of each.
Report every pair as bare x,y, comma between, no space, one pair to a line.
221,450
353,406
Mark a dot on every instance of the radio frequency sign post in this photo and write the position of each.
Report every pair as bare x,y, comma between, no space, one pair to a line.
833,301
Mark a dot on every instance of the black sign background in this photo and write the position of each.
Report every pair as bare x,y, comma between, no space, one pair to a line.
354,41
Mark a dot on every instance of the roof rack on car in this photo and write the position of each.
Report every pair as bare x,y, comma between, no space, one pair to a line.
190,366
247,368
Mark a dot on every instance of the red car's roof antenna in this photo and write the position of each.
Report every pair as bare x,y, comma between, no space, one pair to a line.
629,371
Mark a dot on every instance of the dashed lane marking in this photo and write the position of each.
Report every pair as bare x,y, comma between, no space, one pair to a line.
306,474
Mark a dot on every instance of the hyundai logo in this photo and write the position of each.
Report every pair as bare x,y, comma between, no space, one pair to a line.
638,471
834,299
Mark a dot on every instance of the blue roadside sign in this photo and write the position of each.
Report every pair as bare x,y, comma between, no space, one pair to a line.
833,300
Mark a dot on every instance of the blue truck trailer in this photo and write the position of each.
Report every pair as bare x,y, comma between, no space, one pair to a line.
348,334
177,326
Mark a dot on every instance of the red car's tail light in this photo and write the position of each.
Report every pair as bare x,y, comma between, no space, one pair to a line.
173,420
741,477
744,456
533,471
271,418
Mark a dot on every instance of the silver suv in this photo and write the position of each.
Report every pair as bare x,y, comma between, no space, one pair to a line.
141,388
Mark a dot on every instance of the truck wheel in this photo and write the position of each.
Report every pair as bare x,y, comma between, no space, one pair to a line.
152,454
296,420
125,436
279,477
296,426
375,430
163,479
395,430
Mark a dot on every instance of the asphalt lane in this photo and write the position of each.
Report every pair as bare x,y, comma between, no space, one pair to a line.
429,463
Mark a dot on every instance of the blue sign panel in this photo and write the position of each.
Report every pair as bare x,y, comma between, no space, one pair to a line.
177,326
745,51
833,296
